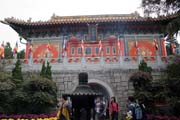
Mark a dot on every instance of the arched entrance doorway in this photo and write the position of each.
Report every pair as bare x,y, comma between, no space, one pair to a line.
83,94
102,87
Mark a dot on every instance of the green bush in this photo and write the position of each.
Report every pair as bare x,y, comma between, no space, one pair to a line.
33,95
142,85
41,94
7,86
16,72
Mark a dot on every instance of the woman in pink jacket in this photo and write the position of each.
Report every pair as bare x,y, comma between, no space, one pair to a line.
113,109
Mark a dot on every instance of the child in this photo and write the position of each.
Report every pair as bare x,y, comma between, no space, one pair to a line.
128,116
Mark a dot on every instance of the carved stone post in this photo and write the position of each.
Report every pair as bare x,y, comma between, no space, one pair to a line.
120,58
30,59
158,59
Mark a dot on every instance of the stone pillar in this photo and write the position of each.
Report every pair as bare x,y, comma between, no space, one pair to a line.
158,59
120,58
64,60
125,46
102,59
139,57
30,59
48,56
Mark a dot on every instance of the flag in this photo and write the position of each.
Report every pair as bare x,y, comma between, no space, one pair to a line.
119,45
48,47
16,48
82,46
155,44
100,46
64,48
2,45
136,44
30,49
173,46
2,50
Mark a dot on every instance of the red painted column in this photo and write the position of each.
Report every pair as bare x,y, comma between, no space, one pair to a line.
164,52
122,46
27,50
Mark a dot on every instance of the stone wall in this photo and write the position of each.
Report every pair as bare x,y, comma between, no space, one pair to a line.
117,80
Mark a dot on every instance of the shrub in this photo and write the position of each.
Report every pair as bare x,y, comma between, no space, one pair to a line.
41,95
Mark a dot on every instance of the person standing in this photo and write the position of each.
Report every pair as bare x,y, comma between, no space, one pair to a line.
131,107
63,113
113,109
99,109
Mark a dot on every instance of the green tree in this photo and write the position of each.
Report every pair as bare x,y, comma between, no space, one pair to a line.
143,67
173,83
7,86
42,97
8,54
16,72
160,7
43,70
2,65
142,84
46,71
21,54
33,95
164,7
141,80
166,90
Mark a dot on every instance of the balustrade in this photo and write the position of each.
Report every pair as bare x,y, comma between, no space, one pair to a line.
122,61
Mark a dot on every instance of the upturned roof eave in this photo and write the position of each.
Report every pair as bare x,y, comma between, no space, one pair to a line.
89,19
46,23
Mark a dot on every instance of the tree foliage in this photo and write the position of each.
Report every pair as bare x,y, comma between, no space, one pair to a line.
173,84
16,72
163,91
144,67
142,84
46,71
21,54
141,80
7,86
33,95
166,90
160,7
41,94
173,27
8,54
43,70
173,70
164,7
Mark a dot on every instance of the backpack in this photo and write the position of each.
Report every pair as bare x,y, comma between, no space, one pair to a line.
138,112
132,108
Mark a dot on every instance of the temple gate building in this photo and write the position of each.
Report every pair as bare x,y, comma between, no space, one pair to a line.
107,47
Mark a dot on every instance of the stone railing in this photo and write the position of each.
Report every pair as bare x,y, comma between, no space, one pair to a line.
92,63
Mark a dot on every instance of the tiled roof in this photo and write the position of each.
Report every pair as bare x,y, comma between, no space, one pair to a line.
56,20
83,90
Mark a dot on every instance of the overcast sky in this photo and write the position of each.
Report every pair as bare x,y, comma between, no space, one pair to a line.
44,9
